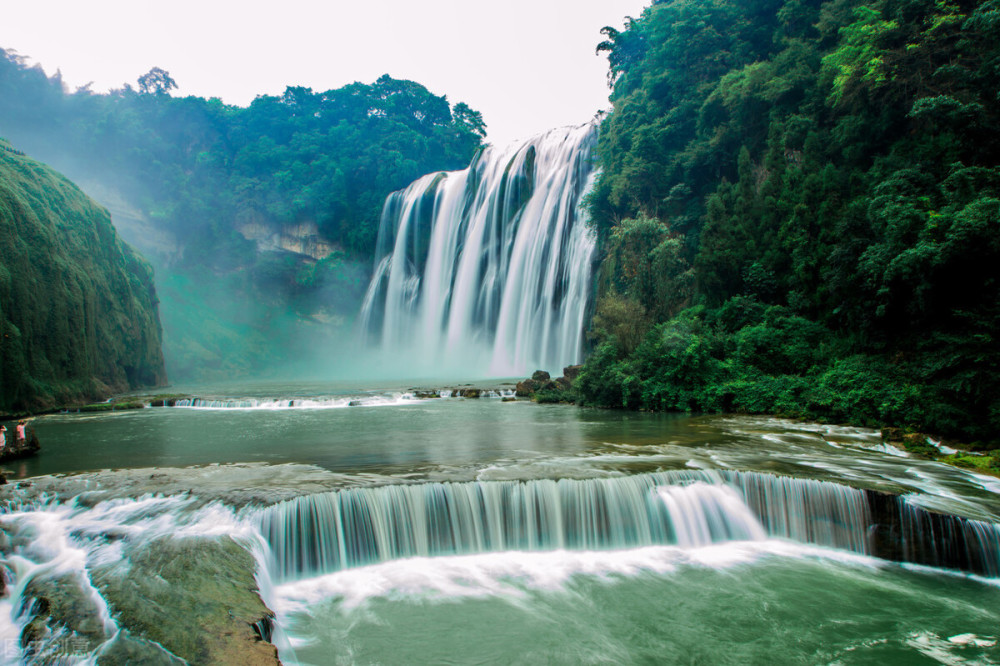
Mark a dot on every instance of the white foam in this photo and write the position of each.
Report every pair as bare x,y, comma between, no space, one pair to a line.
511,574
10,634
989,483
946,450
948,651
280,404
973,640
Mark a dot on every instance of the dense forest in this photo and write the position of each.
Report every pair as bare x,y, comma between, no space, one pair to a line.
800,213
259,221
78,313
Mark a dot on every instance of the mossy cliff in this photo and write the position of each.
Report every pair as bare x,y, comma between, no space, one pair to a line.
78,310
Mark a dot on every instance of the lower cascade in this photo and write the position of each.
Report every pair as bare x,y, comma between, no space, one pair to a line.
79,561
488,270
338,530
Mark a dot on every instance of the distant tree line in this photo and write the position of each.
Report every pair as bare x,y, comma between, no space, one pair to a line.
200,170
198,164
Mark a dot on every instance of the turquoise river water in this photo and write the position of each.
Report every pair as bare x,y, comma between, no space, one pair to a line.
388,529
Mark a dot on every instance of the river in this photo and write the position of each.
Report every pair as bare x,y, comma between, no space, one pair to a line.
380,527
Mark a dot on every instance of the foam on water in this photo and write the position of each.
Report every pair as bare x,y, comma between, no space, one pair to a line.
948,651
511,573
338,402
65,541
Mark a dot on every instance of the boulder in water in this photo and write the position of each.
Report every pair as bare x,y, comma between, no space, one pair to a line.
197,597
571,372
542,388
527,388
916,442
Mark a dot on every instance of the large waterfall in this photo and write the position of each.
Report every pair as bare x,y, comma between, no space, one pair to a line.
487,271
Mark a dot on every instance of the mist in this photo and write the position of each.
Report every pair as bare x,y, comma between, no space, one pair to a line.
259,221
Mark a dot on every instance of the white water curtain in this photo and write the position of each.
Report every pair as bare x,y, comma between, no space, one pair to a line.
487,271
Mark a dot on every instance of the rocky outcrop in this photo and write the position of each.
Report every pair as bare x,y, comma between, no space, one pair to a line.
541,382
302,238
914,442
177,585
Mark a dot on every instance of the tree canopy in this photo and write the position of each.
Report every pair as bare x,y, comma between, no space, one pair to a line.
830,173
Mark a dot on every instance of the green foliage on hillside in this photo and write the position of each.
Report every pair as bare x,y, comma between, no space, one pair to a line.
78,310
202,171
800,203
200,166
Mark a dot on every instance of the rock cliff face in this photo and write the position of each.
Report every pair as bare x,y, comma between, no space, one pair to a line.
78,310
303,238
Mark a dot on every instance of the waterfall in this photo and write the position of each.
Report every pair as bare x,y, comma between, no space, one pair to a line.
948,541
487,271
806,510
702,514
349,528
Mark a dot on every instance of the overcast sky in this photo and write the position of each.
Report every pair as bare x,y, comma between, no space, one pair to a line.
527,65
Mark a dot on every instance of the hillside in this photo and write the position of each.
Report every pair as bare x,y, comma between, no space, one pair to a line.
78,310
800,207
260,220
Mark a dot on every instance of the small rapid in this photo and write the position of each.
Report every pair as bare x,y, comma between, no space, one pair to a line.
392,399
72,568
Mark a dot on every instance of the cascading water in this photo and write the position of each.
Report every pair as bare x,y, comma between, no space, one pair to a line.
949,541
487,271
356,527
78,556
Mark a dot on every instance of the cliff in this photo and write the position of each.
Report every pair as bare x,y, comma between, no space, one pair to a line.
78,310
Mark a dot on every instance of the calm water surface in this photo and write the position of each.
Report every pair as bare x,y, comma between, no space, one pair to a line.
392,433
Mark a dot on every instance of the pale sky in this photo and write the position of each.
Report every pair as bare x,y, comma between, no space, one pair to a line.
527,65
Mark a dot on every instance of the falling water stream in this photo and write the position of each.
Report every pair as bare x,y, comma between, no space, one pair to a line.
487,271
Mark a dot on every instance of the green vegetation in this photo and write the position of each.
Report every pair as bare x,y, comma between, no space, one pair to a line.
800,213
982,464
78,315
211,186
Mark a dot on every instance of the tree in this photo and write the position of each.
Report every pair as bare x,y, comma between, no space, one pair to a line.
156,81
469,119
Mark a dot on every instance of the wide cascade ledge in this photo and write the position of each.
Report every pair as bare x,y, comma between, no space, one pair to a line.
332,531
290,522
